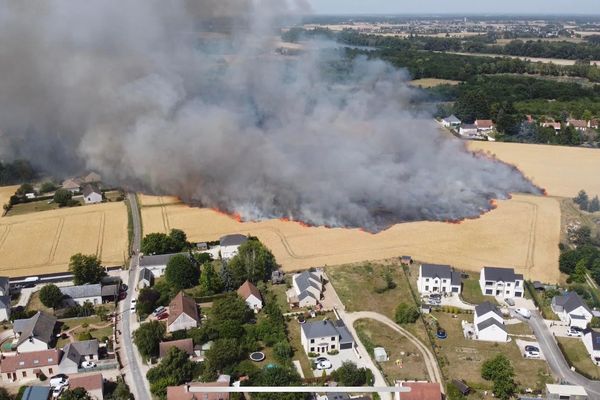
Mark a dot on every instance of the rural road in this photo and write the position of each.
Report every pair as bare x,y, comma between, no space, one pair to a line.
555,358
137,382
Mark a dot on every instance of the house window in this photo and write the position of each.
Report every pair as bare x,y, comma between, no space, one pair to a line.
333,338
489,283
24,374
49,370
36,362
332,347
312,341
426,288
426,279
445,281
488,291
518,283
312,349
508,284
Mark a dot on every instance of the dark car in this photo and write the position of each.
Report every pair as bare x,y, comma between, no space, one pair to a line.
124,287
441,333
531,348
162,316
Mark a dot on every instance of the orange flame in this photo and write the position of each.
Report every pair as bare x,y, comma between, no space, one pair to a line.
232,215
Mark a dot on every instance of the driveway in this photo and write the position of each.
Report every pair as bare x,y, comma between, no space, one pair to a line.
338,359
556,360
456,301
521,345
330,298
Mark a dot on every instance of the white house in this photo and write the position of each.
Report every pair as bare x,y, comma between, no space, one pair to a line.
4,286
77,352
571,309
489,324
251,296
145,278
307,289
73,185
484,125
230,244
35,333
91,194
82,293
565,392
183,313
324,336
591,340
435,278
4,308
502,282
468,131
157,263
451,121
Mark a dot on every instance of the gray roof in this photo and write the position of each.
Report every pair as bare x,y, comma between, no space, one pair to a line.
452,119
345,336
159,259
89,189
327,328
40,326
304,294
570,301
303,281
595,340
233,240
82,291
145,274
489,322
36,393
501,274
486,307
5,301
4,282
441,271
468,126
76,350
110,290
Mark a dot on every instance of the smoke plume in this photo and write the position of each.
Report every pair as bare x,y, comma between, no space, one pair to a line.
190,98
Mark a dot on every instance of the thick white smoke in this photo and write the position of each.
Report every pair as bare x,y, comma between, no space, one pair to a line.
191,99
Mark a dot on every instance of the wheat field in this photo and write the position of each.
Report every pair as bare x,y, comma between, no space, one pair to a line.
6,192
43,242
521,233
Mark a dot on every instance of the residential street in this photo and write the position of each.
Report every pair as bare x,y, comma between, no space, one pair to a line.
556,360
132,360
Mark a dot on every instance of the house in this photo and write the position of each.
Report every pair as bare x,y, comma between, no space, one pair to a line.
489,324
230,244
594,124
4,308
565,392
468,131
251,295
30,365
554,125
186,345
579,124
451,121
422,391
110,293
93,384
35,333
77,352
591,340
73,185
324,336
484,125
380,354
80,294
571,309
91,194
406,260
92,177
277,277
4,286
435,278
193,390
183,313
307,289
145,278
157,263
36,393
502,282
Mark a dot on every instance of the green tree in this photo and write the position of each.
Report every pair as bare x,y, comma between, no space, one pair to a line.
147,338
594,323
47,187
4,395
580,272
51,296
472,105
181,272
452,393
568,260
223,354
160,243
24,189
283,351
176,366
77,393
147,301
500,371
582,236
278,376
102,312
350,375
120,392
594,205
226,278
83,336
86,269
62,197
406,313
253,262
178,240
210,281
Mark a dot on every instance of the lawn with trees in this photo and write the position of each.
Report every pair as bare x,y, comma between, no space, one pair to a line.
86,269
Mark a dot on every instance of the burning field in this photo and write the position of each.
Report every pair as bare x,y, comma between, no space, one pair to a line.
522,232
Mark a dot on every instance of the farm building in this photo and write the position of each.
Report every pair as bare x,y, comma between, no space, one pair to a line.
502,282
80,294
157,263
73,185
565,392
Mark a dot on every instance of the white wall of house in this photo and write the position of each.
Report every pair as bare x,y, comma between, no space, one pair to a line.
93,198
594,354
500,288
427,285
480,318
143,284
254,302
492,333
184,321
157,270
308,301
30,345
4,314
228,252
579,322
320,345
92,299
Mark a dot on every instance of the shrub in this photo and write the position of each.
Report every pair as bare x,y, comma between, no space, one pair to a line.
84,336
333,352
312,355
406,313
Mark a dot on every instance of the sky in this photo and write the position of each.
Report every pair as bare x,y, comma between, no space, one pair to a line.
455,6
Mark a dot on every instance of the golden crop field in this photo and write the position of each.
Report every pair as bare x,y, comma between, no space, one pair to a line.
43,242
522,232
432,82
562,171
6,192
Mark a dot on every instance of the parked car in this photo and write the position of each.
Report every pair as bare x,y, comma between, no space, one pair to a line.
159,310
88,364
523,312
574,331
324,365
321,359
122,295
57,391
441,333
163,316
59,380
133,303
124,287
532,352
509,302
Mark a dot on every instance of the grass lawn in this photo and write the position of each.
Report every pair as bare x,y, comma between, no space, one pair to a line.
279,292
293,328
113,195
576,354
375,334
35,304
462,358
519,329
34,206
471,292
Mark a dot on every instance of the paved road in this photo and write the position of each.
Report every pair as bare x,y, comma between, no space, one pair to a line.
555,358
137,382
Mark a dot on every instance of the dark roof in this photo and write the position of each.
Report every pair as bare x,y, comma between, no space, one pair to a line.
36,393
571,301
82,291
186,345
486,307
146,274
159,259
89,189
468,126
40,326
233,240
595,339
500,274
327,328
304,280
76,350
441,271
461,386
345,336
4,282
110,290
5,301
452,119
489,322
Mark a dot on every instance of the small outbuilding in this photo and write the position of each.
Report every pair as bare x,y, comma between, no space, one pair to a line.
380,354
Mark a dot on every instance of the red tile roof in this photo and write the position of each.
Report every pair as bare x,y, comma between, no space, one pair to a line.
578,123
182,304
484,123
34,359
182,392
422,391
186,345
88,382
247,289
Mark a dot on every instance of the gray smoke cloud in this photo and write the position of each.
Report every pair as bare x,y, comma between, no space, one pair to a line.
191,99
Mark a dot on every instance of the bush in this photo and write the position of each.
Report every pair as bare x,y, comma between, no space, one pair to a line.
312,355
42,377
333,352
406,314
62,197
84,336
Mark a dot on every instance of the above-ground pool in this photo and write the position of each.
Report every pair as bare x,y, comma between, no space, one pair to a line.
257,356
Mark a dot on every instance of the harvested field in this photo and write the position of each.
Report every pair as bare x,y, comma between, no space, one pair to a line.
432,82
522,232
6,192
42,243
562,171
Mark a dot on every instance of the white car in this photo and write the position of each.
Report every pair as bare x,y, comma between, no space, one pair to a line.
133,303
325,364
88,364
523,312
574,331
57,391
59,380
532,352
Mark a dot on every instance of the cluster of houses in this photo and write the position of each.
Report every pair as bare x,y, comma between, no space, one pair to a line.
479,130
88,186
579,124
